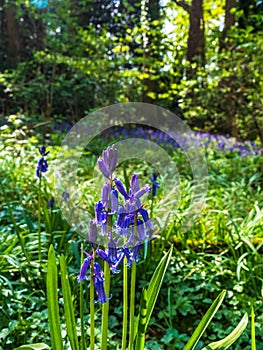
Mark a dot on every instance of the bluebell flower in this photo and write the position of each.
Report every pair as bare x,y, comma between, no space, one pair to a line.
82,276
141,192
121,188
114,201
124,225
141,230
42,150
108,161
134,184
105,194
148,223
100,213
93,232
113,256
132,255
51,202
136,250
99,284
65,196
42,165
155,184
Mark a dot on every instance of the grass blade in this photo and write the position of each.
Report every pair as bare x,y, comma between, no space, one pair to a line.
154,288
68,306
140,339
205,322
225,343
52,301
253,331
156,282
37,346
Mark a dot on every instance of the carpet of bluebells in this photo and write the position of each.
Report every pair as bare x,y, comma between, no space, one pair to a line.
222,250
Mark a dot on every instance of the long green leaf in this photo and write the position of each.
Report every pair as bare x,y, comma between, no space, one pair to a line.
52,301
156,282
68,306
205,322
225,343
253,331
37,346
154,287
140,339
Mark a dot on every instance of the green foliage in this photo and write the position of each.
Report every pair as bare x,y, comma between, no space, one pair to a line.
223,250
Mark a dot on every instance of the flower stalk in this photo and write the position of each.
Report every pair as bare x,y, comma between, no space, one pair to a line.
125,304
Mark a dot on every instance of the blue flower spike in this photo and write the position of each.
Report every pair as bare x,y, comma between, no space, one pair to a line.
42,165
155,184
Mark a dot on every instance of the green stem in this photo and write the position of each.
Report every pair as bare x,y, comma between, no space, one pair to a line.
132,304
152,203
62,240
105,307
92,309
39,221
81,303
125,304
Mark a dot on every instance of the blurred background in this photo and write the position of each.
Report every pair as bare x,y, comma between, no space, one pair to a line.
199,59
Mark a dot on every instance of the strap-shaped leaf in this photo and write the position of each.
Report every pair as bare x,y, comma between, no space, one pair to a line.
156,282
205,322
253,330
68,306
37,346
140,339
154,287
52,301
225,343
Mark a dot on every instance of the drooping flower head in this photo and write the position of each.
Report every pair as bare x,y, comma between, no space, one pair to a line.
65,196
155,184
42,165
82,276
108,161
99,284
93,232
51,202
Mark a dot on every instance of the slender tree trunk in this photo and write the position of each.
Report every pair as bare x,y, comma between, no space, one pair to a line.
229,21
196,37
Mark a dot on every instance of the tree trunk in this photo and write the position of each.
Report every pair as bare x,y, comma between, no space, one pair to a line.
196,37
13,35
229,22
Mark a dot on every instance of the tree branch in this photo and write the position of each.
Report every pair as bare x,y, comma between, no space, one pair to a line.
184,5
